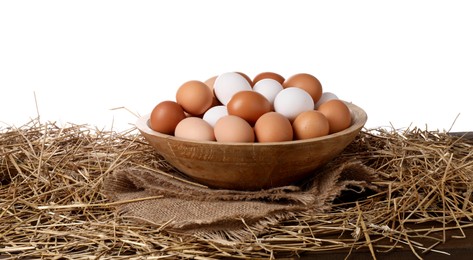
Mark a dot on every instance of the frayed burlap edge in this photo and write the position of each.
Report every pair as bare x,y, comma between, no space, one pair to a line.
193,209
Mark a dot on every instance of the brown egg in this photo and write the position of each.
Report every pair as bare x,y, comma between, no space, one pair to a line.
249,105
310,124
273,127
165,116
210,83
233,129
195,128
306,82
246,77
268,75
337,113
195,97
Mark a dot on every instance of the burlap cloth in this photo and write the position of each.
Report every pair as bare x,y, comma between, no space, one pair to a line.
188,208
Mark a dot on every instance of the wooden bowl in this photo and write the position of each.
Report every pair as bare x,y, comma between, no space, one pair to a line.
251,166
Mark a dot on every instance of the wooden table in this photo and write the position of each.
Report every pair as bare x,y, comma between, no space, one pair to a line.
457,248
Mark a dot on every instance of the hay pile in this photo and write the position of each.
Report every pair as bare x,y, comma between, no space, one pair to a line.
51,204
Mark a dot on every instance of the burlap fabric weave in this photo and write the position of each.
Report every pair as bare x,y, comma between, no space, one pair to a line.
185,207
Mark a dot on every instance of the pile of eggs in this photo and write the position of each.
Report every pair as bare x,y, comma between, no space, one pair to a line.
232,107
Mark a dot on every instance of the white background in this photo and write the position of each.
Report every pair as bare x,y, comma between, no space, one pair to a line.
407,63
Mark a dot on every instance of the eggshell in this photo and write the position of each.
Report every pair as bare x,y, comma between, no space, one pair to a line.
290,102
269,88
337,113
214,114
273,127
194,128
229,83
249,105
210,83
233,129
165,116
326,96
246,77
310,124
268,75
195,97
306,82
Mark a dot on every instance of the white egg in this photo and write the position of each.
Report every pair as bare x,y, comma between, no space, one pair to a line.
290,102
214,114
269,88
326,96
229,83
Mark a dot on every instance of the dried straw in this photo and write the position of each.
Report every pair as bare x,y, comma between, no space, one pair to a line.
51,205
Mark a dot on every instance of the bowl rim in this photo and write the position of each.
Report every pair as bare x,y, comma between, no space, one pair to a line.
357,123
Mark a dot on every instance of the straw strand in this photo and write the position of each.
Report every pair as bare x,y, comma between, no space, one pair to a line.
52,205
